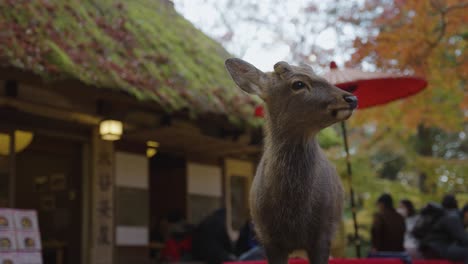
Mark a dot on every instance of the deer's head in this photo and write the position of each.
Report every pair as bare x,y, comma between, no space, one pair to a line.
295,96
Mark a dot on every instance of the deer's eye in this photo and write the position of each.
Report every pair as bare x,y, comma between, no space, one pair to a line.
296,86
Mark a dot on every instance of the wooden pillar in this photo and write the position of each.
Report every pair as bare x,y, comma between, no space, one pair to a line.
236,168
102,201
12,174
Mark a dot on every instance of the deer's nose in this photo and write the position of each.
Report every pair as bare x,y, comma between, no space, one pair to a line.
351,100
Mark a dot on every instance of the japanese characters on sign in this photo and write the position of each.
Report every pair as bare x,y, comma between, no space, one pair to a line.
105,208
103,203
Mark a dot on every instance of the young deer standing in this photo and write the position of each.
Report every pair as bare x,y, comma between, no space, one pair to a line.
296,197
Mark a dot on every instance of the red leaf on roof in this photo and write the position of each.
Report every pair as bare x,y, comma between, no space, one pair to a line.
259,111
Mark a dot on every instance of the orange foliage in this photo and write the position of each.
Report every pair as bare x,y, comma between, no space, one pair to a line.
427,38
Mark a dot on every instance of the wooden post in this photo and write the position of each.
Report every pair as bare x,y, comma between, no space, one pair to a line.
12,175
102,201
357,239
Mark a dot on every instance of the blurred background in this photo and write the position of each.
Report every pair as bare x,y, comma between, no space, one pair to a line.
117,116
415,148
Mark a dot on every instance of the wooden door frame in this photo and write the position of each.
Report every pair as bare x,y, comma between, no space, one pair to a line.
241,168
11,163
84,140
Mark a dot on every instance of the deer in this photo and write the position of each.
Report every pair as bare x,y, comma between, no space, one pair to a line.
296,198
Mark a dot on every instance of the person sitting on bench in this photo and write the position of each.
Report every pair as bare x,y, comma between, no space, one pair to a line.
447,238
388,227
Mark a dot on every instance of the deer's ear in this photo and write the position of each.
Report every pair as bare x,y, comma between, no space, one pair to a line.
246,76
283,69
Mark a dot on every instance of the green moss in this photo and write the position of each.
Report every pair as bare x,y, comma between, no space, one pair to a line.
61,59
128,45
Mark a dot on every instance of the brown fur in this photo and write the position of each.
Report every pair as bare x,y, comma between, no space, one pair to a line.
296,197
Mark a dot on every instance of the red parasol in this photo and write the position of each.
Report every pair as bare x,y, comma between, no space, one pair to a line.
374,88
371,89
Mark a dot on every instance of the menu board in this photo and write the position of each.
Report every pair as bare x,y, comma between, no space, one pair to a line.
7,241
29,258
28,241
25,220
6,219
8,258
20,240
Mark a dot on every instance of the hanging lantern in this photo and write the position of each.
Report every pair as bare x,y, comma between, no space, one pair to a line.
151,149
110,130
22,141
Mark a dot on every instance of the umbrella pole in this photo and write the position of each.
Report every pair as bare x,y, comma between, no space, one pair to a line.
357,240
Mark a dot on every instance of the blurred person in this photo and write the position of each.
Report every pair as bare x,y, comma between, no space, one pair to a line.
178,242
246,240
158,236
247,246
159,230
411,245
464,214
177,225
388,227
210,242
447,238
171,237
449,202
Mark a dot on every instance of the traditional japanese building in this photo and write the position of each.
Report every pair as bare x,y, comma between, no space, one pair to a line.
112,114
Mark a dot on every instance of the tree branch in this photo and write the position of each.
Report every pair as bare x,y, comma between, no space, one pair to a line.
456,6
443,13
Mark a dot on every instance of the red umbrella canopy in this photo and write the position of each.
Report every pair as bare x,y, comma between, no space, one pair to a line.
374,88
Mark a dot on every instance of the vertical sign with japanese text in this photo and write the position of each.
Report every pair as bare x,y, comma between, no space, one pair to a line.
103,182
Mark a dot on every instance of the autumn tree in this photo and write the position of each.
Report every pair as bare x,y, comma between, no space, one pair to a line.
426,38
302,26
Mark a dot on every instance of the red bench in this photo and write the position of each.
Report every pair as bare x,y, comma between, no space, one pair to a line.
336,261
434,261
358,261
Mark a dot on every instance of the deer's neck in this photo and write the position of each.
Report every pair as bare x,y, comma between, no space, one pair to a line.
292,153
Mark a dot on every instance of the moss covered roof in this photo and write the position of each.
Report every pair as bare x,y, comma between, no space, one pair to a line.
142,47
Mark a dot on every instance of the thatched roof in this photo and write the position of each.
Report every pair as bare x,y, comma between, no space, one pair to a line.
141,47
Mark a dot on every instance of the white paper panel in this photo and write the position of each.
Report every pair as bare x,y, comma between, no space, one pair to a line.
131,170
132,236
204,179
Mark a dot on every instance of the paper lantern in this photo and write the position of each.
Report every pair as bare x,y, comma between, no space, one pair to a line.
111,130
22,141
